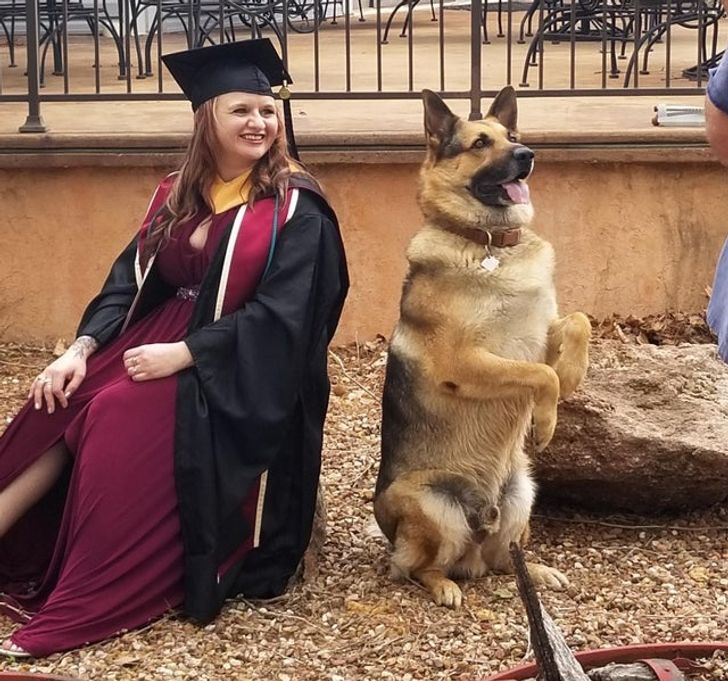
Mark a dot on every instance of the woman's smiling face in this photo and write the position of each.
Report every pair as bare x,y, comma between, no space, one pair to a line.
246,126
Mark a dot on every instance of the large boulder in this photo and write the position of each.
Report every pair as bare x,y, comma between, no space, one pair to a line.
646,432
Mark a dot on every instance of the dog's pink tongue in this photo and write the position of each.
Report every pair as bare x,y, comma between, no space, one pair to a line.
517,191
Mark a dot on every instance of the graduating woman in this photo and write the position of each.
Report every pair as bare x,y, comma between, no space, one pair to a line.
170,458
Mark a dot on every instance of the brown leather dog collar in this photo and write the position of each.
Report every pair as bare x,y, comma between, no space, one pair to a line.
500,239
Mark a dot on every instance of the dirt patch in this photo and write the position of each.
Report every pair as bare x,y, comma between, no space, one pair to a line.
633,580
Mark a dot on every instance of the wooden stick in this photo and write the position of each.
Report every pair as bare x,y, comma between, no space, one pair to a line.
553,656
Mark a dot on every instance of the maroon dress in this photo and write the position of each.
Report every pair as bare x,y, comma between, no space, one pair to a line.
113,559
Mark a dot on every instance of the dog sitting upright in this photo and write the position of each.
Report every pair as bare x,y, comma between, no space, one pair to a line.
478,356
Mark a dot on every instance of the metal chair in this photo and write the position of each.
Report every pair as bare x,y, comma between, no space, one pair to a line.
201,22
580,21
654,18
54,18
10,11
411,4
210,21
640,23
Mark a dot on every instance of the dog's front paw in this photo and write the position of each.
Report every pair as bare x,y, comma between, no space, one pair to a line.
551,578
447,593
571,357
571,372
544,424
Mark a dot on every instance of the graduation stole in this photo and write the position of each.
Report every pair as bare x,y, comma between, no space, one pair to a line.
250,248
248,252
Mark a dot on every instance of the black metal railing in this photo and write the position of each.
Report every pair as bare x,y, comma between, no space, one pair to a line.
103,50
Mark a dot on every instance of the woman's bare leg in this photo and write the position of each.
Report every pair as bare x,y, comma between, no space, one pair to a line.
30,486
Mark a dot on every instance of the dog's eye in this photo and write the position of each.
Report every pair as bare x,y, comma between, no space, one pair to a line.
512,137
481,143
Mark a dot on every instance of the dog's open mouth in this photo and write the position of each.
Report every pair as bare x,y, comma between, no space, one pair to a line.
517,191
506,194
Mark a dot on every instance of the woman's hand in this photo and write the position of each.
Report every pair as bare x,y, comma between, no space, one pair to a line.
61,378
157,360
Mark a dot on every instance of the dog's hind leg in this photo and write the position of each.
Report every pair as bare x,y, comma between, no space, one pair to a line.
568,350
515,508
430,534
419,553
444,591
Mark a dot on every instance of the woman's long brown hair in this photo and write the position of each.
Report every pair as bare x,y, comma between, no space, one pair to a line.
190,192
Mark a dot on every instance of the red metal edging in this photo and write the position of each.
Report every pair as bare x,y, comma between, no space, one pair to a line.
26,676
603,656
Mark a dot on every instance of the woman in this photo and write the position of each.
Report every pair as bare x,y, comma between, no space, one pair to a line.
182,429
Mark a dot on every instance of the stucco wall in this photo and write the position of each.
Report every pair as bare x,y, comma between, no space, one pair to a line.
633,238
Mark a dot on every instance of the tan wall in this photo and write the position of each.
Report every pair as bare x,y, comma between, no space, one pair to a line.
631,238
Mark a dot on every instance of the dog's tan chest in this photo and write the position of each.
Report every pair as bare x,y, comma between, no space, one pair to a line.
506,311
513,325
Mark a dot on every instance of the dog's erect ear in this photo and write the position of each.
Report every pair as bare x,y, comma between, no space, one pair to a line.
439,120
505,109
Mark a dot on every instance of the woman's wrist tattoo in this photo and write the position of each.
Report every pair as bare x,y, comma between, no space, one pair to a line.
84,346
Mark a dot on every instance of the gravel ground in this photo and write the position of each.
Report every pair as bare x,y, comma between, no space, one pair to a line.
633,580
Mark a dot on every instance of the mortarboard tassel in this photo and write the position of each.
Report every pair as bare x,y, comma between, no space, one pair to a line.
285,95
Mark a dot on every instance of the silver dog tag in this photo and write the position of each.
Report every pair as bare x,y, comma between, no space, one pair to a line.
490,263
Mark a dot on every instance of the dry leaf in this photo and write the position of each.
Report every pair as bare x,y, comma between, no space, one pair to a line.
485,614
366,608
620,333
127,660
699,574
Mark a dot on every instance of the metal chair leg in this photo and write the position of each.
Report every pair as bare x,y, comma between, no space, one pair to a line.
399,5
486,41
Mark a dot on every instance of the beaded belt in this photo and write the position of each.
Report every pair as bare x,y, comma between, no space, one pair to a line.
188,293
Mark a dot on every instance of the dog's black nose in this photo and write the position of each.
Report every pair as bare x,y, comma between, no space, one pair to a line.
523,154
523,157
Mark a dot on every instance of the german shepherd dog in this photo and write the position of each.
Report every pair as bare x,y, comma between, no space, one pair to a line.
477,358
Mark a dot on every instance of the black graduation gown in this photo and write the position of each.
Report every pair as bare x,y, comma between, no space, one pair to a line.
253,403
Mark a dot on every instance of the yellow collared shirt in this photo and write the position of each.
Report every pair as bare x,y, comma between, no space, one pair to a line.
227,195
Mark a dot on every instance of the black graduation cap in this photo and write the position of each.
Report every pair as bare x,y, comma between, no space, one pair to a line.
245,66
